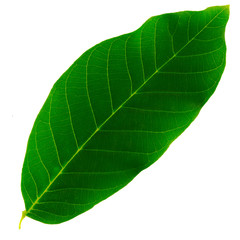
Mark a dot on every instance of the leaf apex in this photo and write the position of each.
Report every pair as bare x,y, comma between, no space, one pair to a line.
227,7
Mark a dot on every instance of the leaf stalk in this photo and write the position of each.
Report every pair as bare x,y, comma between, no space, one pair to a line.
23,216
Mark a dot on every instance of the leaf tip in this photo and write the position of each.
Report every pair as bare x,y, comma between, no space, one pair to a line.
227,7
23,216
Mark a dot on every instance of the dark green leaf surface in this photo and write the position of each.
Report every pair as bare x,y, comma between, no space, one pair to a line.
117,109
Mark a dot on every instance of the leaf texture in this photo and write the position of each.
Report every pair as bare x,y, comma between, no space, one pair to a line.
117,109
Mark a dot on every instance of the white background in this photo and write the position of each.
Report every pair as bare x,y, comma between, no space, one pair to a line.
191,193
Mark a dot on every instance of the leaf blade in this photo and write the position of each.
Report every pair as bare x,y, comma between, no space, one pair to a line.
56,134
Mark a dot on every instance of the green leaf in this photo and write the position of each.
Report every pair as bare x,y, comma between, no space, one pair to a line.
117,109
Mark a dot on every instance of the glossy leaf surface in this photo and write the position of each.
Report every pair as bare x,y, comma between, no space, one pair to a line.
117,109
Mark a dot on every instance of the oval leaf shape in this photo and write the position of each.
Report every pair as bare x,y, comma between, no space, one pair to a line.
117,109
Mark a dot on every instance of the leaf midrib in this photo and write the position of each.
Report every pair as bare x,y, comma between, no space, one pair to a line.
113,113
